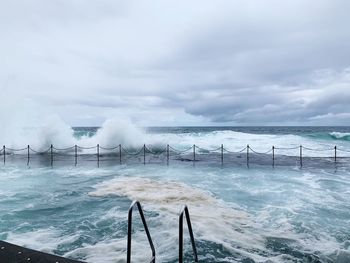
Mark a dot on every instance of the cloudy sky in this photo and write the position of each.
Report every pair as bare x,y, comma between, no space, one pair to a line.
234,62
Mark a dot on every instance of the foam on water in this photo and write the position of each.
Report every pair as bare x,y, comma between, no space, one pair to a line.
216,222
341,135
213,220
265,214
46,240
260,214
236,141
52,130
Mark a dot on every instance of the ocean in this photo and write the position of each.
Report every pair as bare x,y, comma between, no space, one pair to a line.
281,204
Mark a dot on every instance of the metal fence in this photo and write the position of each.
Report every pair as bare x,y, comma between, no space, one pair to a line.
144,154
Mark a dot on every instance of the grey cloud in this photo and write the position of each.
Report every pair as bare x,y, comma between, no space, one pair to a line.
179,62
280,105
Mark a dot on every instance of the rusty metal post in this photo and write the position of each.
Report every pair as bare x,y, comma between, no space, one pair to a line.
28,154
51,154
167,154
76,154
194,152
222,154
120,154
98,155
144,154
248,155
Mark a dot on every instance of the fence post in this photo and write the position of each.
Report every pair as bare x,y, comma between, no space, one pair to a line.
167,154
335,154
301,155
222,154
273,156
4,150
194,152
51,154
76,154
120,154
248,155
144,154
98,155
28,154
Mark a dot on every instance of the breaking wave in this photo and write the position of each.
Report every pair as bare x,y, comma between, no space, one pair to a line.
331,136
55,131
114,132
340,136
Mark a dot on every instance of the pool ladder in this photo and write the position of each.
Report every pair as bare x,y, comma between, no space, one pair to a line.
183,213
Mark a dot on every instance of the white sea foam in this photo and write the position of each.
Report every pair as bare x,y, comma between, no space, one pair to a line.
218,222
46,240
294,217
236,141
340,135
52,130
212,219
114,250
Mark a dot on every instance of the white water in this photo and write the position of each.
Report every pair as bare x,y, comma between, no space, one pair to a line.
234,211
236,141
54,131
340,135
114,132
213,220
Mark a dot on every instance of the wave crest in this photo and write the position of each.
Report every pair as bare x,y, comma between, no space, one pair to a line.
340,136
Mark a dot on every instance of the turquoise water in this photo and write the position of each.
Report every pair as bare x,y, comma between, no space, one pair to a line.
239,214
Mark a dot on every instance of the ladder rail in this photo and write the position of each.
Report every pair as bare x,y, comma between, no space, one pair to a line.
184,211
139,208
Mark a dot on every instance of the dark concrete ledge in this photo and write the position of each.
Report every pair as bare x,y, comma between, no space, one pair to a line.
10,253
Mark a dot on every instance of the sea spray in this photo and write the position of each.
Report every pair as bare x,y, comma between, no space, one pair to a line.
114,132
52,130
41,132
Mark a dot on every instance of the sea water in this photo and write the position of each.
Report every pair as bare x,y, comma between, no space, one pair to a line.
240,213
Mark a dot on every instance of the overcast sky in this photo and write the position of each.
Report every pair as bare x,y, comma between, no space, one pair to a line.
262,62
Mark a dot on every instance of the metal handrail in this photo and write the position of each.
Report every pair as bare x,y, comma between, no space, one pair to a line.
183,211
138,205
